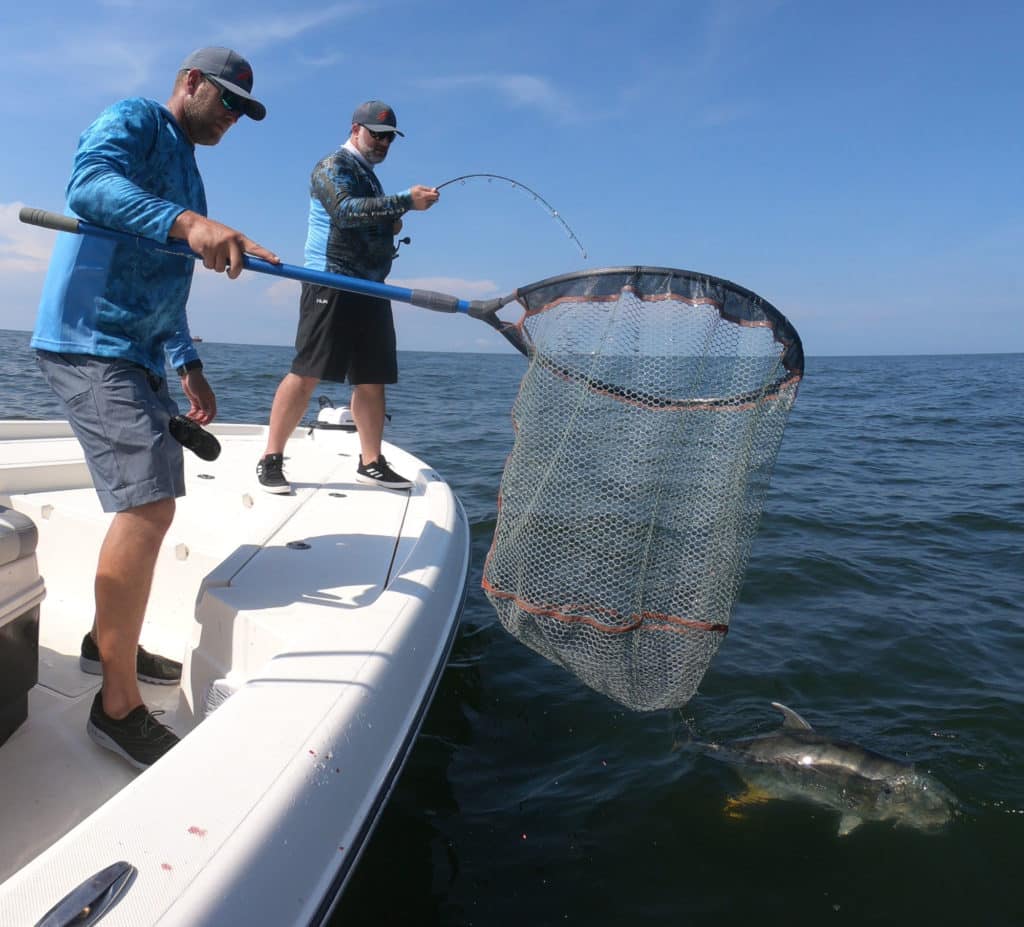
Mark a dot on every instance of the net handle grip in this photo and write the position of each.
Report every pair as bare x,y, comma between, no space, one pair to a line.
48,220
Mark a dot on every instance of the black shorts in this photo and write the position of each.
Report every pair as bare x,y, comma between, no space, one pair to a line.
345,335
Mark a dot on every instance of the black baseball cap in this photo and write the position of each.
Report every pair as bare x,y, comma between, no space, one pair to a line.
377,117
230,69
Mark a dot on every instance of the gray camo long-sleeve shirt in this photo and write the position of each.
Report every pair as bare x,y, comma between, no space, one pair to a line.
351,221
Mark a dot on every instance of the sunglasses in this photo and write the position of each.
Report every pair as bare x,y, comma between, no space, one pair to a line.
381,136
232,102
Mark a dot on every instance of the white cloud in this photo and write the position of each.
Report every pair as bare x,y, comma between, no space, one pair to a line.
23,248
122,48
283,293
24,257
102,64
453,286
321,62
526,90
262,31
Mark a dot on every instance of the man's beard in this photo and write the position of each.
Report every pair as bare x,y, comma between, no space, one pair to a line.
202,127
368,152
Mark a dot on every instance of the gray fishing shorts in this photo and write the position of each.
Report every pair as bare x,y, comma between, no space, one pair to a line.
119,412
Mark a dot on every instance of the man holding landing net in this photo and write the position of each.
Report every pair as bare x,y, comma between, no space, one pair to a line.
352,225
110,318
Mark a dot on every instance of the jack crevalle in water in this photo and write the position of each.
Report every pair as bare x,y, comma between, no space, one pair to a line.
796,762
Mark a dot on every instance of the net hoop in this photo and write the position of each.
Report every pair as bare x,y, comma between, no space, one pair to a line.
646,429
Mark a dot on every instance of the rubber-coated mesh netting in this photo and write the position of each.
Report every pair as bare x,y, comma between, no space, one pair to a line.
646,429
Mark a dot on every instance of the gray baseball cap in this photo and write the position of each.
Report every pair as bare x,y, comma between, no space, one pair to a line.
377,117
231,70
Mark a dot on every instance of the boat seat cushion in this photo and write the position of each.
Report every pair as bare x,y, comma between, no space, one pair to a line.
18,535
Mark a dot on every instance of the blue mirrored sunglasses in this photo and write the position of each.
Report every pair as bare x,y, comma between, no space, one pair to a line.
232,102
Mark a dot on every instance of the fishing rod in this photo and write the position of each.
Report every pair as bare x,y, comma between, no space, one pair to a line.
522,186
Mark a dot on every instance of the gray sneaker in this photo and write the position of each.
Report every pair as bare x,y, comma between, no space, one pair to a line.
270,471
138,737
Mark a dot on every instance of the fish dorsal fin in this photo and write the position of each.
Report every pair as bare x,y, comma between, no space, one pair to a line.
791,718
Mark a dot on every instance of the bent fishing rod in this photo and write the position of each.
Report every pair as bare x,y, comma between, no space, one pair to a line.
519,185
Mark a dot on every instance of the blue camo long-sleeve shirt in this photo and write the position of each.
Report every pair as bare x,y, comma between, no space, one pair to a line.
351,221
135,171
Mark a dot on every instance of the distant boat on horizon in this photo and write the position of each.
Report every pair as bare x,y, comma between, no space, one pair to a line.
196,338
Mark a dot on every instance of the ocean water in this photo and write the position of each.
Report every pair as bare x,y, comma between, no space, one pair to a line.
883,601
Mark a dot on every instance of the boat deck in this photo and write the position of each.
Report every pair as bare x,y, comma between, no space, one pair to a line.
250,588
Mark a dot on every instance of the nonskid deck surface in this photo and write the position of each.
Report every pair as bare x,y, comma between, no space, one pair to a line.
299,567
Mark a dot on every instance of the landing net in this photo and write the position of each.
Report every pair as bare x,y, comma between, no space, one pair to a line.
646,429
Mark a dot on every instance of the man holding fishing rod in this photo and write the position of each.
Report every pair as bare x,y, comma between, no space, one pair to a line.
110,317
351,231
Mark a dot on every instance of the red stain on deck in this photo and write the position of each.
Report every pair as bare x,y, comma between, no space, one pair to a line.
167,867
198,831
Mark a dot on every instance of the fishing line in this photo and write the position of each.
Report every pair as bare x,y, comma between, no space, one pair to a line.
522,186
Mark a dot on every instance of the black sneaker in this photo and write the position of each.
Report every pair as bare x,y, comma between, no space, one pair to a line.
270,471
138,736
380,474
193,436
149,667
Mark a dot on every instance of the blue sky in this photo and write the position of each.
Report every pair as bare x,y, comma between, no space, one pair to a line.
859,165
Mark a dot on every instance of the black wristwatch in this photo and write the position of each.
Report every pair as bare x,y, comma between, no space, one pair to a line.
196,364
